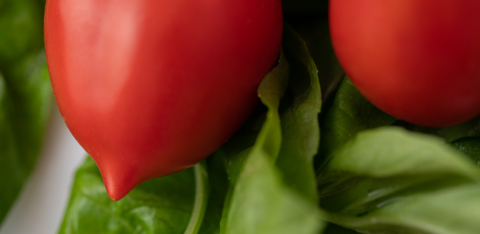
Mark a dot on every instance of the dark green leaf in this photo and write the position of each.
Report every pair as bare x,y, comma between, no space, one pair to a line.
470,146
315,32
450,134
25,102
217,195
468,129
21,27
350,113
454,210
335,229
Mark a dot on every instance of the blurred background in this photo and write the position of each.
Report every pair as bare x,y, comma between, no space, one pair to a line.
38,155
42,202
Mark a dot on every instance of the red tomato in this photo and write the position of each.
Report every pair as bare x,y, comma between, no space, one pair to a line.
150,87
418,60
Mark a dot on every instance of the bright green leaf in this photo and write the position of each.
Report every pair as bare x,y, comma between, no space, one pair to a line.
162,205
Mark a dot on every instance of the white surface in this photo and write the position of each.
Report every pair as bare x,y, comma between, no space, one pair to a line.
40,206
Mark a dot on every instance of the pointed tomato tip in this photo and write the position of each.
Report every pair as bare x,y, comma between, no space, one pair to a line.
117,190
120,182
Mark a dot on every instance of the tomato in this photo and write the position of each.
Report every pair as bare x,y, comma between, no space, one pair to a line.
148,87
418,60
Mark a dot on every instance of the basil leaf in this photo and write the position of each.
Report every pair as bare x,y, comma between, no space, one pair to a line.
385,166
299,118
453,210
162,205
259,201
25,102
262,204
392,151
392,155
237,149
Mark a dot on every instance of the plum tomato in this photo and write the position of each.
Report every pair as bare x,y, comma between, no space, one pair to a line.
148,87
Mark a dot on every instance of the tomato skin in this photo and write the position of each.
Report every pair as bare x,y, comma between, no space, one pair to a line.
418,60
149,88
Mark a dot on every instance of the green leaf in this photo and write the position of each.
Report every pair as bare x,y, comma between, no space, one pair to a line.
316,34
299,118
468,129
450,134
236,150
393,151
350,113
259,201
454,210
162,205
25,102
465,137
262,204
171,204
217,194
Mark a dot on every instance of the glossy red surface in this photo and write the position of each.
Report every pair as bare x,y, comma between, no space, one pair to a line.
418,60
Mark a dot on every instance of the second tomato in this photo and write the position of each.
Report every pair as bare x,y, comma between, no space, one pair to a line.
418,60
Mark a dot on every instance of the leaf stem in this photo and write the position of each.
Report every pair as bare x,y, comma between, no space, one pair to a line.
201,199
